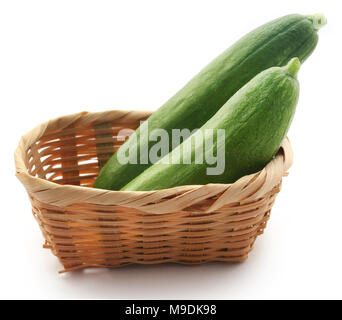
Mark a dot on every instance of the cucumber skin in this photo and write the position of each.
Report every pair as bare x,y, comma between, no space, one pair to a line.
272,44
256,120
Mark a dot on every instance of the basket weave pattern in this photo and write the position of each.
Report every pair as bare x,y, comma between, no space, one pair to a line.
87,227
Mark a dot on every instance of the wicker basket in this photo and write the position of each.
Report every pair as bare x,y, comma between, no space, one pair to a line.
58,161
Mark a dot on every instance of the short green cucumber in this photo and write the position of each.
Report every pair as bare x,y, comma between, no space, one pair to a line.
255,121
272,44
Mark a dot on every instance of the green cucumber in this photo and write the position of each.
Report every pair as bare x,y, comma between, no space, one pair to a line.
272,44
255,121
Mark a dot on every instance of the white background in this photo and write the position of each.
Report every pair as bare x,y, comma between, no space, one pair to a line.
61,57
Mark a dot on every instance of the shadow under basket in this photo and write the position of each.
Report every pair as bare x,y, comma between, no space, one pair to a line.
58,162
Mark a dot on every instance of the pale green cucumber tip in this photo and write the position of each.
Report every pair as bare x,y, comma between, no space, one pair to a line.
318,20
293,67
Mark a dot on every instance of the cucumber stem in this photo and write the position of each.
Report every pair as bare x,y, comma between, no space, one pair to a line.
318,20
293,67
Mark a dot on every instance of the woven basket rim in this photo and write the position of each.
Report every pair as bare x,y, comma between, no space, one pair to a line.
247,188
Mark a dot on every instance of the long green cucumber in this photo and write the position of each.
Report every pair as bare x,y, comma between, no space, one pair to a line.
272,44
255,121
